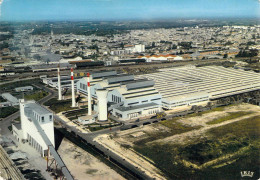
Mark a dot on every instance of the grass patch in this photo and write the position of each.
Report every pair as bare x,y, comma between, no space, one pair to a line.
36,96
220,141
2,99
76,113
248,127
7,111
231,115
59,106
221,108
17,119
97,128
174,126
91,171
177,127
11,86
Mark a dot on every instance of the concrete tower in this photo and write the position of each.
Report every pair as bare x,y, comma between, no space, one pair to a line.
72,89
59,84
102,104
89,96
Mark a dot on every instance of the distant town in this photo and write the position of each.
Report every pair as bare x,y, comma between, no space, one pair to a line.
130,100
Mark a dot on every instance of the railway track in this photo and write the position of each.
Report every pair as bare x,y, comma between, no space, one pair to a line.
8,168
115,67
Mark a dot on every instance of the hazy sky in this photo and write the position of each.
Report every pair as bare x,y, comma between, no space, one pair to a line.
125,9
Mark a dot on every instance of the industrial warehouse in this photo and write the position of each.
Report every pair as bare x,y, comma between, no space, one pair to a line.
192,85
128,98
133,97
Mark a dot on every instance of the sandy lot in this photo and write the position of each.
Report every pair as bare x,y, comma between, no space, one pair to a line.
130,156
83,165
121,142
201,120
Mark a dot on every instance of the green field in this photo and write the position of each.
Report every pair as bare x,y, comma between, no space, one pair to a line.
174,128
59,106
221,154
2,99
231,115
11,86
7,111
36,95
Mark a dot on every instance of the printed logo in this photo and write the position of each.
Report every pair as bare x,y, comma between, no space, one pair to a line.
247,174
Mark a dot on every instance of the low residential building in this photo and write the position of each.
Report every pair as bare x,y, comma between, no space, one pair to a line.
23,89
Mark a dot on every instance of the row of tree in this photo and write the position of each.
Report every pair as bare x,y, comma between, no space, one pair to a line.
247,53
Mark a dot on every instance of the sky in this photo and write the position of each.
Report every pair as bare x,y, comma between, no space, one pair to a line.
28,10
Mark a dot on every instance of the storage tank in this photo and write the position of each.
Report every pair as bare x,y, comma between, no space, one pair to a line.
102,104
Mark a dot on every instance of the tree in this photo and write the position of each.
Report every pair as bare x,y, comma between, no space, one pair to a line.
247,53
153,44
122,45
225,55
174,46
37,57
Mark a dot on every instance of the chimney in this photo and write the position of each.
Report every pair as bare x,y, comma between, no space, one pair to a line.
72,89
89,95
59,85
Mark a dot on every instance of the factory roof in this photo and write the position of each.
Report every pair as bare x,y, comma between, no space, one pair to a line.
100,74
63,78
10,98
36,108
142,106
216,81
138,92
24,87
50,66
120,78
139,84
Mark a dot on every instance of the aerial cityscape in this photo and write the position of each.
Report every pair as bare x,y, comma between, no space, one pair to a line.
114,90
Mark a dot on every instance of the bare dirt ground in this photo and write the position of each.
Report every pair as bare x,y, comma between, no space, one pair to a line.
130,156
83,165
201,120
122,142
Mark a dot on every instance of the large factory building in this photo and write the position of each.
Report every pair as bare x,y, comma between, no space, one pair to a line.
127,98
192,85
133,97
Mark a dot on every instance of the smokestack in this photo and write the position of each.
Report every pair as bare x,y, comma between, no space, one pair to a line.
89,96
59,85
72,89
102,104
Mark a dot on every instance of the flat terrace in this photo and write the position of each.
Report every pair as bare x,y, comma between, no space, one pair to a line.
216,81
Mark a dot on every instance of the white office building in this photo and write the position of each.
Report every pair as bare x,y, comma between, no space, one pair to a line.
33,116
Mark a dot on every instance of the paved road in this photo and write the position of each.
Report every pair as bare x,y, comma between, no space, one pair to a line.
17,79
150,65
